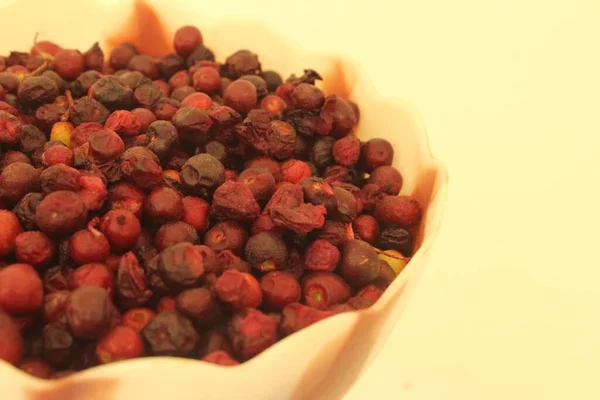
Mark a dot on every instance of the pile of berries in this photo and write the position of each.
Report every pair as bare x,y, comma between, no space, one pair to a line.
181,206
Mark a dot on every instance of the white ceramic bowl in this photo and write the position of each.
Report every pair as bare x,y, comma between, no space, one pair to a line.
322,361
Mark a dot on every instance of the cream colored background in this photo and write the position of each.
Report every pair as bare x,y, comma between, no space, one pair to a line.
509,306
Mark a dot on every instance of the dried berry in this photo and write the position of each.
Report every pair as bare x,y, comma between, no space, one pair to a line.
173,233
199,305
401,210
181,265
359,265
233,200
132,288
112,93
279,289
366,229
323,289
170,333
321,255
18,179
228,235
396,238
252,332
61,213
121,343
21,289
388,178
266,252
121,229
34,248
297,316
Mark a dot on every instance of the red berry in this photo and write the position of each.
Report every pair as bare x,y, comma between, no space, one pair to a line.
11,343
120,343
34,248
21,289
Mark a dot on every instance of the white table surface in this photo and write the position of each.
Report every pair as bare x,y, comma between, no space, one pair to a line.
509,306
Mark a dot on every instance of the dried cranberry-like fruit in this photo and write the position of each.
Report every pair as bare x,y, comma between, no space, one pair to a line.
93,274
10,126
148,94
21,289
238,289
301,219
388,178
181,265
163,204
396,238
346,151
55,306
57,278
89,312
274,105
199,304
11,345
359,265
170,333
173,233
403,211
61,213
121,228
266,252
195,213
127,197
260,182
92,191
145,117
340,114
323,289
297,316
318,191
30,139
141,167
25,213
69,64
348,206
83,132
132,288
201,174
186,39
242,62
307,96
59,177
34,248
37,90
144,64
138,318
105,145
57,155
87,109
220,357
229,261
366,228
376,153
252,332
281,139
234,201
93,59
112,93
321,255
120,56
279,289
241,95
255,130
295,171
166,303
124,123
161,136
207,80
227,235
18,179
120,343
